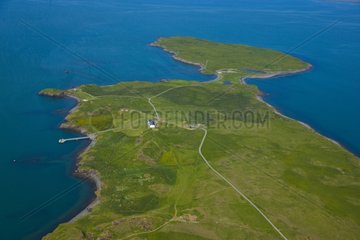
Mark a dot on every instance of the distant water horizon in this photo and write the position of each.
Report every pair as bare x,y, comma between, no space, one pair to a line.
56,44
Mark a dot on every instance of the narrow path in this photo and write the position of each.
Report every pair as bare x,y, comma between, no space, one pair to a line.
153,106
235,188
167,91
156,229
215,171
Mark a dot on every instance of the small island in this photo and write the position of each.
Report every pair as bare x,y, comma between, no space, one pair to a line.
216,163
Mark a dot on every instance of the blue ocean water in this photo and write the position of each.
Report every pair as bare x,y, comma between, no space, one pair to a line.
45,44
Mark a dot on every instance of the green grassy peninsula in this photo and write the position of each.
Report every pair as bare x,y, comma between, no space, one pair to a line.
220,164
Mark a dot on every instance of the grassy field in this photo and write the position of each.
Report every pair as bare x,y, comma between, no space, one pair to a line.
155,185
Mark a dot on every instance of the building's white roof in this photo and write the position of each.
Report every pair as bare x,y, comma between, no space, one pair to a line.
151,123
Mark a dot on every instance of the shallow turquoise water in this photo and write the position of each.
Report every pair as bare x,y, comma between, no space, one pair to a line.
44,44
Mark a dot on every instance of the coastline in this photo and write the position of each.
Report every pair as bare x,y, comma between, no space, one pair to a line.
259,97
94,176
276,111
304,124
174,55
91,175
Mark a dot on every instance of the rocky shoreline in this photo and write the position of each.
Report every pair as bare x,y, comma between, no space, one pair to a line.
261,76
91,175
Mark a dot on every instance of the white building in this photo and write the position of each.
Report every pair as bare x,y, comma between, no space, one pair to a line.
151,123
